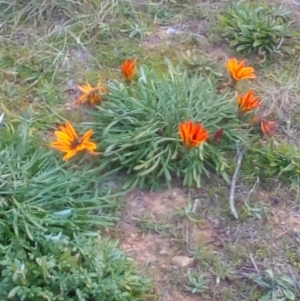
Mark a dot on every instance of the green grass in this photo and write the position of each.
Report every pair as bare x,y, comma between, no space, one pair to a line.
40,195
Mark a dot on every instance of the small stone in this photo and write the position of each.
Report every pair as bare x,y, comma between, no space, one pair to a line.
182,261
171,32
163,252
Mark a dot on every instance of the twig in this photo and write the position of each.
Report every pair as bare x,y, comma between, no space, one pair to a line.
254,263
233,182
196,202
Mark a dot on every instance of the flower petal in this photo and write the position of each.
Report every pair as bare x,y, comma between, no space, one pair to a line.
86,137
69,155
90,146
63,137
71,131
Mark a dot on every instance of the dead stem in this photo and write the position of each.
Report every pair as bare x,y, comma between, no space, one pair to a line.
233,182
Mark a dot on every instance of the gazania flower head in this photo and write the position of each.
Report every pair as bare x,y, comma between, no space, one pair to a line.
268,127
218,134
239,71
90,94
70,143
248,102
192,134
128,68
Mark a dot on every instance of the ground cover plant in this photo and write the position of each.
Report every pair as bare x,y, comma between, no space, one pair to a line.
63,269
130,138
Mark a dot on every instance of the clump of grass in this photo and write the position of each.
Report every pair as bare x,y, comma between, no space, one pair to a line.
39,195
274,160
257,29
198,283
137,127
276,286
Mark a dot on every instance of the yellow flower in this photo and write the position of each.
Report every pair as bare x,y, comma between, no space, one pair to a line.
238,71
91,94
128,68
248,102
70,143
192,134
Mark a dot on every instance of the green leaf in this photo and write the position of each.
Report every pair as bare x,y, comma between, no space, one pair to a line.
12,293
288,293
257,43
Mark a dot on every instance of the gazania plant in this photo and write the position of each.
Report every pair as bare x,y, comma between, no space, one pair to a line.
166,126
40,195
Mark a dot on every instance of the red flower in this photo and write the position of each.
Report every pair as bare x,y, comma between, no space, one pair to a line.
248,102
192,134
128,68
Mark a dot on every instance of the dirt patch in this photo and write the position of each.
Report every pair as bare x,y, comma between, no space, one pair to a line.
158,203
155,249
152,251
287,221
184,32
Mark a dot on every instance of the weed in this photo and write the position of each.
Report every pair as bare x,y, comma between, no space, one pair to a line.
275,286
206,255
177,277
147,224
257,29
223,270
274,160
197,284
189,212
228,293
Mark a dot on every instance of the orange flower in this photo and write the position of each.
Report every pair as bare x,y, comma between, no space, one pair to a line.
268,127
128,68
238,71
91,94
70,143
192,134
248,102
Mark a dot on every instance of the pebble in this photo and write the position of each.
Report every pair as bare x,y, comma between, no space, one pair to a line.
182,261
